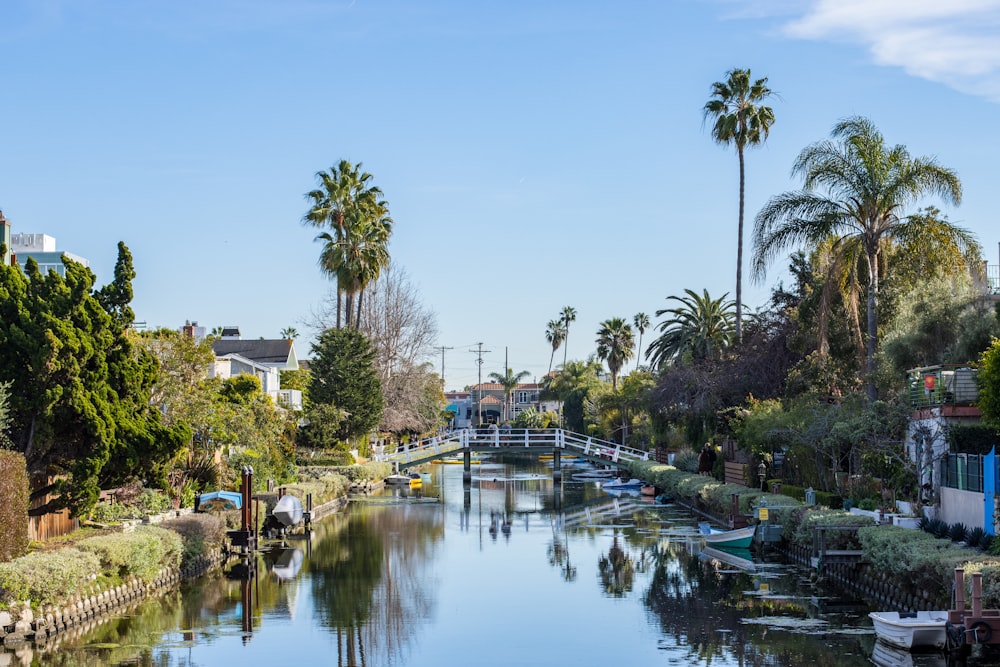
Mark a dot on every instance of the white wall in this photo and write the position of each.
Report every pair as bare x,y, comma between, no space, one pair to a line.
964,506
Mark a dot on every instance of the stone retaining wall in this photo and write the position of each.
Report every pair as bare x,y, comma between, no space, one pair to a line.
20,629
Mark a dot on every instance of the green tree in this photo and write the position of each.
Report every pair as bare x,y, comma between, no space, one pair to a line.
641,323
355,249
344,375
289,332
615,345
555,334
989,383
80,401
571,385
855,188
739,118
567,316
700,328
509,382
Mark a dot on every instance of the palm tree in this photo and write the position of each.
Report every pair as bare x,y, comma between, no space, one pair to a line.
555,334
854,190
615,345
568,315
700,328
358,218
641,322
740,119
509,382
289,332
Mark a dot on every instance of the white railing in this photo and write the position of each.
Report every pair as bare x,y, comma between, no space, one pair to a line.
514,438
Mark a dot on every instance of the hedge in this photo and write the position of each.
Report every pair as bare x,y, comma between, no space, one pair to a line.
141,553
202,535
14,493
47,577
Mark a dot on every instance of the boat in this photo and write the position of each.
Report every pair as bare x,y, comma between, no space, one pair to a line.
621,485
594,475
739,538
398,479
288,511
455,462
415,480
919,629
218,501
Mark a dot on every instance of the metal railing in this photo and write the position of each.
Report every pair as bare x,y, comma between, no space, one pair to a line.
514,438
942,385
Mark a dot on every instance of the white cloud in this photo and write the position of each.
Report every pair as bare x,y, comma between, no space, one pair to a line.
954,42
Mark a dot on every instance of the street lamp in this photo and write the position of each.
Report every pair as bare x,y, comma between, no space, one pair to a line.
761,474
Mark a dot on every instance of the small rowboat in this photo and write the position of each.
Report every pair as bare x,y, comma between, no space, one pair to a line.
739,538
921,629
219,501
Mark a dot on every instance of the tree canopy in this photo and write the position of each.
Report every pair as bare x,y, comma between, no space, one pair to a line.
80,402
343,374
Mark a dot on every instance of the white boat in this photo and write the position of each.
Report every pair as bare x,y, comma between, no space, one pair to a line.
920,629
594,475
398,480
741,538
288,511
621,485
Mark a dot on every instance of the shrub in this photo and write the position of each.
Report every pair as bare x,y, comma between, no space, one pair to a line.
201,534
919,561
803,521
144,502
13,505
141,553
974,536
686,461
47,577
938,528
324,457
957,532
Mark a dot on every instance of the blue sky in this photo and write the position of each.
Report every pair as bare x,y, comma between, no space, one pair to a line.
534,155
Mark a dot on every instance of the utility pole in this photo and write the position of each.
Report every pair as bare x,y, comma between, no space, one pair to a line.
479,388
442,348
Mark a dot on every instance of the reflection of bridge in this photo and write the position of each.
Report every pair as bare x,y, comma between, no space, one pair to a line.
552,441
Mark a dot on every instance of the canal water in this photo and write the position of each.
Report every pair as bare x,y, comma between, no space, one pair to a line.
510,571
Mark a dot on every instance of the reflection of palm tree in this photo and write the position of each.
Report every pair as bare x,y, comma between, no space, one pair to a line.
617,570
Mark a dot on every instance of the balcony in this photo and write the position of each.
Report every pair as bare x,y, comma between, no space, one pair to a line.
933,386
993,279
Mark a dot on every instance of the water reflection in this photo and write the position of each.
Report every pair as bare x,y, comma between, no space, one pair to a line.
494,573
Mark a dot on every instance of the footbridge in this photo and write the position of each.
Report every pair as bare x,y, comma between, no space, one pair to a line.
555,441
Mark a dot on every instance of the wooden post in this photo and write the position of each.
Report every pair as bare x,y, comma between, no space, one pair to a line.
959,589
467,466
977,594
556,463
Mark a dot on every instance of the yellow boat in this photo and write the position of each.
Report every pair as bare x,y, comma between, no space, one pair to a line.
455,462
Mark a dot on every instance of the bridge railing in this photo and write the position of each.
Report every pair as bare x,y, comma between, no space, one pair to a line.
500,438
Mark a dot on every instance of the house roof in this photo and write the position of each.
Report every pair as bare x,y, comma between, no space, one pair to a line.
279,352
490,399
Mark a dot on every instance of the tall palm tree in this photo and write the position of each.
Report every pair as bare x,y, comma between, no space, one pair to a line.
509,382
641,322
289,332
555,334
739,118
615,345
354,212
568,315
699,328
854,190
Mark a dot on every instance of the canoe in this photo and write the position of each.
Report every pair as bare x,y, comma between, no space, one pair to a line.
218,501
920,629
741,538
288,511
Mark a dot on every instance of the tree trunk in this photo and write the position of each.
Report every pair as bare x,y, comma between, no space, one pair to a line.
872,345
739,257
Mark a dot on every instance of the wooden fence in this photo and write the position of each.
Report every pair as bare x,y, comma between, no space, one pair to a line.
51,525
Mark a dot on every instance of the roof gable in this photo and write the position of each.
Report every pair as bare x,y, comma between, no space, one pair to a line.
280,352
